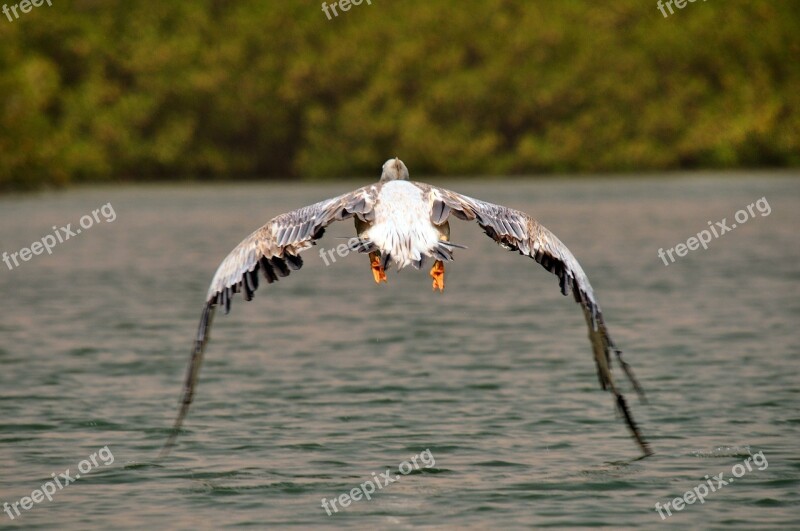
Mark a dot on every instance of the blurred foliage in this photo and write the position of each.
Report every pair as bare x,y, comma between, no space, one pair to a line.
101,90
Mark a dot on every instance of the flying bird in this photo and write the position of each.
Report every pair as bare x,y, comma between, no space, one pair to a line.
399,223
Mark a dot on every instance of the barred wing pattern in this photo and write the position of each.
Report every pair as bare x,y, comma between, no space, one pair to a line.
274,249
517,231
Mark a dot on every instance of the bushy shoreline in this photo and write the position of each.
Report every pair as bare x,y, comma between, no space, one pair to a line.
137,90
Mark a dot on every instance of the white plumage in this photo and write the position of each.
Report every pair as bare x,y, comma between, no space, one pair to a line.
402,226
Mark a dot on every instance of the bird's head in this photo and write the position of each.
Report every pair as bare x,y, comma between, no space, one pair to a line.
394,170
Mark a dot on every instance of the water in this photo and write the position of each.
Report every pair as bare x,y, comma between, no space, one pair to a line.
326,378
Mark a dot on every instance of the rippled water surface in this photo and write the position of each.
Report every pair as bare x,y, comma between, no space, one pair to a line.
326,378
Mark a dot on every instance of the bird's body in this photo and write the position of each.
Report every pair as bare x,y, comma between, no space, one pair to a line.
402,227
400,222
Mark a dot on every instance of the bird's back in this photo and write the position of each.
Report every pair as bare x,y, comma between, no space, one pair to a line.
402,226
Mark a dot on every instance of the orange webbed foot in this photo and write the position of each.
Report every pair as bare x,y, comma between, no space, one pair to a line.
437,272
378,273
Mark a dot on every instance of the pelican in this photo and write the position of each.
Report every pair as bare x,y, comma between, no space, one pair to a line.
401,222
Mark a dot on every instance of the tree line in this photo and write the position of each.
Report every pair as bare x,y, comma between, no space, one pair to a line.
130,90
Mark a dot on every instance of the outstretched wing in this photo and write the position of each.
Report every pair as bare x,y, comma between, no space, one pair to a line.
274,249
517,231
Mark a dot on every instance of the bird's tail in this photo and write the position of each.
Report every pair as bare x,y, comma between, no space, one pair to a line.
442,250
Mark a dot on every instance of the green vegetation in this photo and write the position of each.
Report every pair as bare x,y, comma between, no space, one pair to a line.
208,89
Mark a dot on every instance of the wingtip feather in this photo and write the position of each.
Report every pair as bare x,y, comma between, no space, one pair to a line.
190,382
